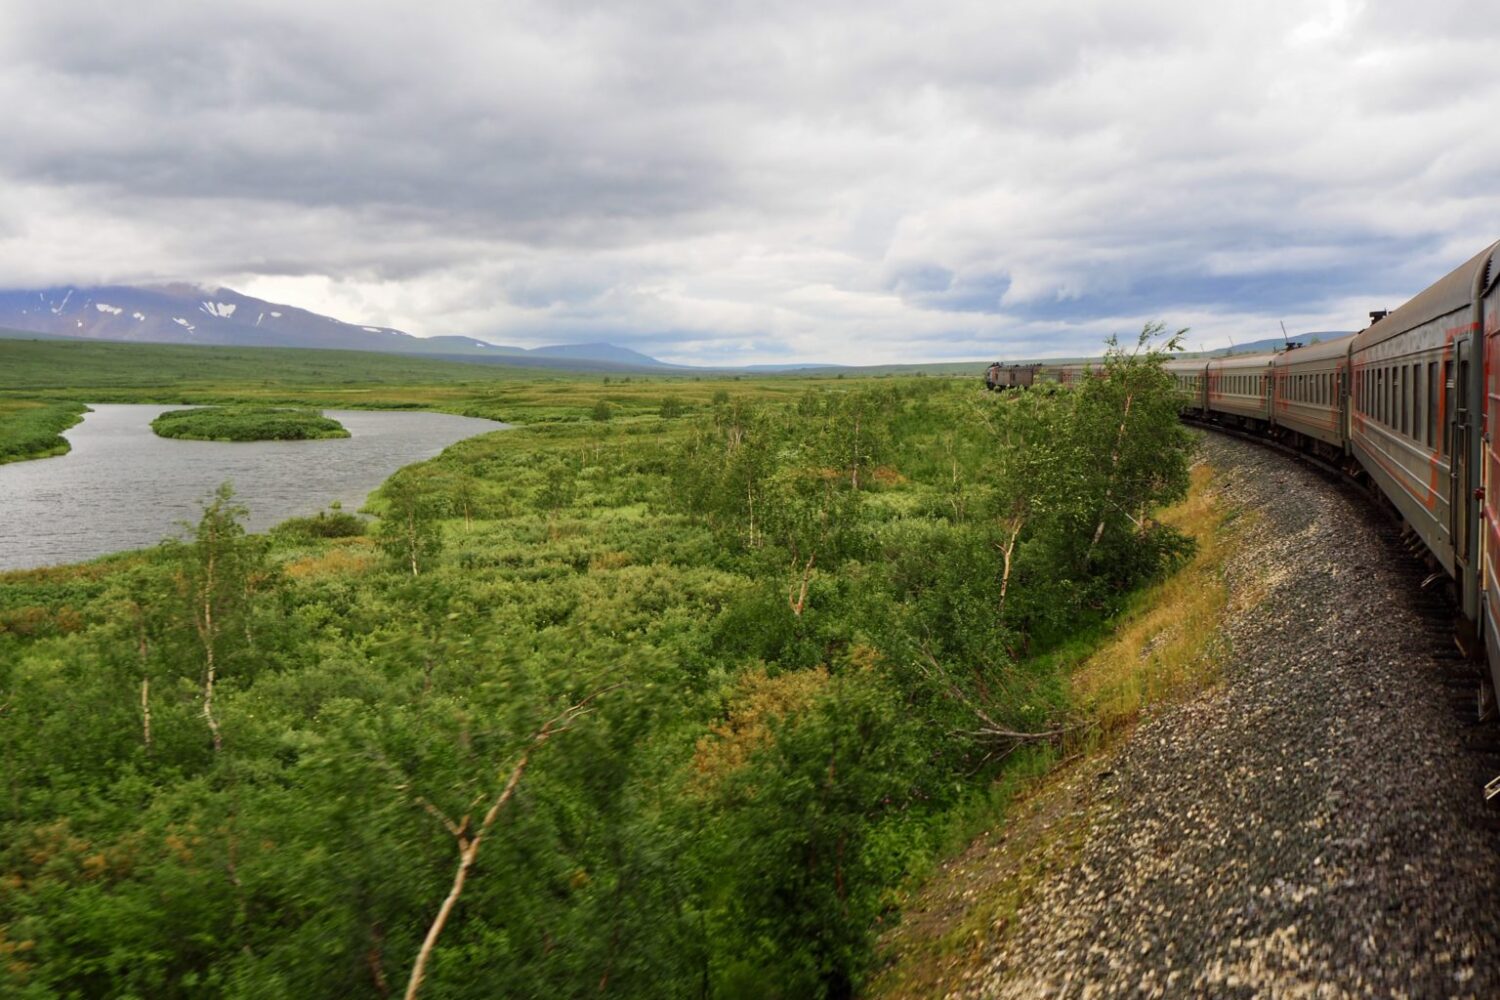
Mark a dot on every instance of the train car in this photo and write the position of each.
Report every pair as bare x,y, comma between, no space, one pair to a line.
1307,396
1239,389
1191,377
1001,376
1072,374
1413,422
1486,325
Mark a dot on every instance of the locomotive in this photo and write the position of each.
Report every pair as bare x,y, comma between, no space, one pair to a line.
1410,405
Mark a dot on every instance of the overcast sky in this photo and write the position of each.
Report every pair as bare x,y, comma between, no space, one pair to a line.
759,182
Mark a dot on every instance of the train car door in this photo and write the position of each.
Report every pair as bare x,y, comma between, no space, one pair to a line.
1463,480
1341,387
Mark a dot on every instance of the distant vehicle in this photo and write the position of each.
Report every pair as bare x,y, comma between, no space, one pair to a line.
998,376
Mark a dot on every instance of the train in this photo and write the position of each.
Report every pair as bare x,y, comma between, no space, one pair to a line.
1410,406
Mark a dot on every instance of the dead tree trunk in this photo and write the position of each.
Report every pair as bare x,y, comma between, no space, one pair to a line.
797,596
208,635
1007,550
468,847
1109,489
411,539
146,711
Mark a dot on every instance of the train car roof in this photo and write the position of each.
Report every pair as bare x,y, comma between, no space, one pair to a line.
1321,351
1449,294
1258,360
1186,364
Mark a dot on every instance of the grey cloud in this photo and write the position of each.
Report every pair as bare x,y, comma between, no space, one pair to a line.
776,181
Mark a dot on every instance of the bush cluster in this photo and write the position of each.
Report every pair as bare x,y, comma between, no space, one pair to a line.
247,423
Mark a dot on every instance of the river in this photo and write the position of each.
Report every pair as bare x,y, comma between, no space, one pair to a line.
122,487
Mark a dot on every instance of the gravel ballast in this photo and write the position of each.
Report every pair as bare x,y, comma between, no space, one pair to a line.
1313,826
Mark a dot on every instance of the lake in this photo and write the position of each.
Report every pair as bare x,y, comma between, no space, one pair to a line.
122,487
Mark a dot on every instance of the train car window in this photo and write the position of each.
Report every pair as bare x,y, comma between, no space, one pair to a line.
1447,385
1418,411
1403,391
1380,395
1416,401
1396,398
1432,403
1392,406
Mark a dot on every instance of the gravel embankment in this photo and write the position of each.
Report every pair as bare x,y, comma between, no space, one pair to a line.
1311,827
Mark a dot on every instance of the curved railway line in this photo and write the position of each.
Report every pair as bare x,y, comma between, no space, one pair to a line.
1409,407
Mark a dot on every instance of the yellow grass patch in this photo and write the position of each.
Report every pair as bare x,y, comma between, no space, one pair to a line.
1166,643
759,702
609,560
352,559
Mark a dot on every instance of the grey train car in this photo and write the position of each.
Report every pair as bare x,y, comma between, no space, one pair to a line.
1239,386
1191,378
999,376
1307,396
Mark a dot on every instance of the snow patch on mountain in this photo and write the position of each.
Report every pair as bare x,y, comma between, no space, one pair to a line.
139,316
105,307
182,322
220,310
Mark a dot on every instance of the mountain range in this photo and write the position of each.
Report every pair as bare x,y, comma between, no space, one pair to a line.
189,314
192,314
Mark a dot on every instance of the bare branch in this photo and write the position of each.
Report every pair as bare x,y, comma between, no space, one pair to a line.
468,847
989,729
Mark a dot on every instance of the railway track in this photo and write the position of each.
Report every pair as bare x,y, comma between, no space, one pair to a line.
1462,672
1311,827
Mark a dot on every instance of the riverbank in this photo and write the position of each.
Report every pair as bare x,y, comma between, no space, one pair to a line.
122,487
32,429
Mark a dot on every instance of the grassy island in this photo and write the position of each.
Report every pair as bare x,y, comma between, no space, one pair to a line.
33,429
247,423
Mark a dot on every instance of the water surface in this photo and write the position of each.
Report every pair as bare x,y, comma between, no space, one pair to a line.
122,487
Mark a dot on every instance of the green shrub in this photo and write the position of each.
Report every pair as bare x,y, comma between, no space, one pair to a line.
247,423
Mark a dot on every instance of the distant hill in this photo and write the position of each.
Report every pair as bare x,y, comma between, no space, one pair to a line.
189,314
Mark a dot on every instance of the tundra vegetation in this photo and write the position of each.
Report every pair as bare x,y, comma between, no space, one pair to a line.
643,706
33,428
247,423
